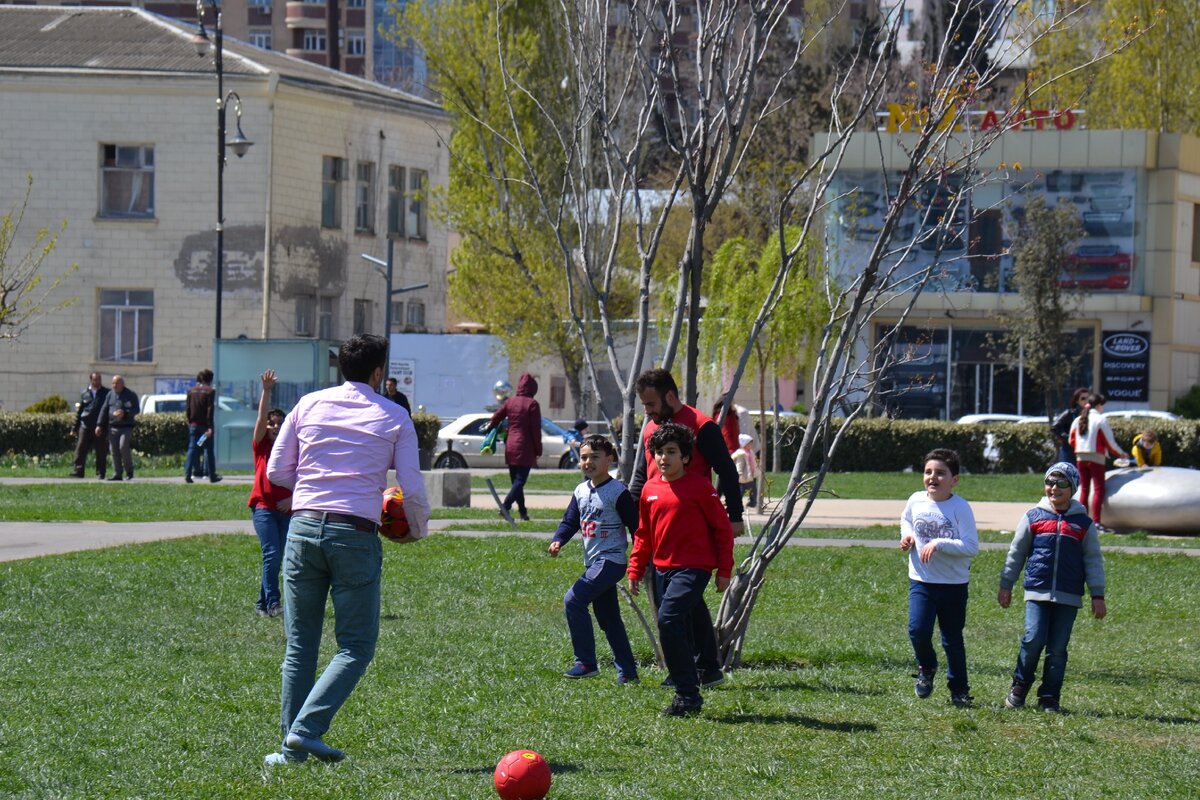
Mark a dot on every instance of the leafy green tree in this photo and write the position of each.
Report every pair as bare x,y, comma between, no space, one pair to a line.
1039,329
21,298
1152,79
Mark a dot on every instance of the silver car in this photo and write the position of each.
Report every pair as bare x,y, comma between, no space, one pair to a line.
459,442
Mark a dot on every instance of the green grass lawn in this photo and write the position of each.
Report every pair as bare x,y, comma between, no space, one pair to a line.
142,672
60,465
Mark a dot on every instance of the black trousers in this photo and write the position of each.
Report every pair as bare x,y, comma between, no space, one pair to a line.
681,597
87,441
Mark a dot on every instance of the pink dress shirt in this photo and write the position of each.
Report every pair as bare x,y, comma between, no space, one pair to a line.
334,451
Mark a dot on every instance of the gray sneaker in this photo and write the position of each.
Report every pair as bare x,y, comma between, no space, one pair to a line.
924,685
274,610
1016,696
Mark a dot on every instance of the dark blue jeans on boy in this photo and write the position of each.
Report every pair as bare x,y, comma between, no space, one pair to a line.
680,592
271,528
1047,626
598,587
947,603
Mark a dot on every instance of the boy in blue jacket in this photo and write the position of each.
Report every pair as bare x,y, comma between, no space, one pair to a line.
601,509
1059,547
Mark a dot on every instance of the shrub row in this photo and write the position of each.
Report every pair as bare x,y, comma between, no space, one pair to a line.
157,434
883,445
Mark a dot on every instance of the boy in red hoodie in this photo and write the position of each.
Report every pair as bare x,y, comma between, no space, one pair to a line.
684,531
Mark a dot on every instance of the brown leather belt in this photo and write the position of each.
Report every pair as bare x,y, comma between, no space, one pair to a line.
329,517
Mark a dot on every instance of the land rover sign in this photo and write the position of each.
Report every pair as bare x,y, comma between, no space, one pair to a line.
1125,366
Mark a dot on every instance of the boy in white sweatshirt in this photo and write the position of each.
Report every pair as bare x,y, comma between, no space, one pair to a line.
937,530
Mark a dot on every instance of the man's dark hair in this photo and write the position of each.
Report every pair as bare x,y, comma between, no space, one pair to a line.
204,376
276,412
670,432
658,379
598,442
946,456
360,355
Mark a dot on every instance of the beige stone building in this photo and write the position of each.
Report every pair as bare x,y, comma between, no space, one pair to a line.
113,114
1137,264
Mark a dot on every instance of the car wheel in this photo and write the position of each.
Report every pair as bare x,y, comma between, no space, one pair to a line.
450,460
566,461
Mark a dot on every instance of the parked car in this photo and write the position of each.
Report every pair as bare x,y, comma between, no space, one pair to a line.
177,403
459,442
1141,415
992,419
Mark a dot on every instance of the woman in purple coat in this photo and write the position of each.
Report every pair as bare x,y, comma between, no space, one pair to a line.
524,442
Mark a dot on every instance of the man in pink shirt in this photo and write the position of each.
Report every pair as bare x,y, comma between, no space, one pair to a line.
334,451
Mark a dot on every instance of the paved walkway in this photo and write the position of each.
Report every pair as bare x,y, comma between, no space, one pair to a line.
30,539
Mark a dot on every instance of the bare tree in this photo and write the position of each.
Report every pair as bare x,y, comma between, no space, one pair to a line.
21,295
665,95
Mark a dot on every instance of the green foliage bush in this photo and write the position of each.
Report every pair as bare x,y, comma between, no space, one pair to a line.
1188,406
54,404
43,434
883,445
427,426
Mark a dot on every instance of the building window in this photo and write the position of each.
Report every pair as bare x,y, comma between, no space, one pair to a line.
395,218
355,4
364,196
397,315
362,316
325,318
126,325
416,314
306,310
314,41
260,3
414,223
558,392
127,181
356,44
1196,232
261,38
333,172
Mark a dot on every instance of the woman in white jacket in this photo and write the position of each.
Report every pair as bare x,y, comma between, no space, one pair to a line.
1093,440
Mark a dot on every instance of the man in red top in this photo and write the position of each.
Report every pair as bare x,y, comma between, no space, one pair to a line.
660,400
270,505
683,530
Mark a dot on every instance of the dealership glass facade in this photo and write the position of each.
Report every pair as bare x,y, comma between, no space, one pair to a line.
973,255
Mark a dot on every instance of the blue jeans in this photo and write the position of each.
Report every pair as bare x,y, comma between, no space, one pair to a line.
518,476
947,602
271,527
1047,625
320,561
210,462
598,587
680,592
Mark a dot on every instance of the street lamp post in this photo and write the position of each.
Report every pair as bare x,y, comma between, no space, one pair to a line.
239,144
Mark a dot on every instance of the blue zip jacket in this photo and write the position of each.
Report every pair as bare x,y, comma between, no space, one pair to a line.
1059,551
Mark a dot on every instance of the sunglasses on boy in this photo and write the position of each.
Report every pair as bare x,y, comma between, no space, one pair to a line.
1060,483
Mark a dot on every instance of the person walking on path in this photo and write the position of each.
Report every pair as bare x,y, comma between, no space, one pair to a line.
201,404
87,416
1061,427
1093,441
270,505
118,416
334,451
524,443
659,395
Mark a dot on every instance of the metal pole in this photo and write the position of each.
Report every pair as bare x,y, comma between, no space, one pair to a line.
390,260
220,171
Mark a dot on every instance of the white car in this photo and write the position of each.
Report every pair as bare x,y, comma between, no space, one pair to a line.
177,403
1141,415
992,419
459,442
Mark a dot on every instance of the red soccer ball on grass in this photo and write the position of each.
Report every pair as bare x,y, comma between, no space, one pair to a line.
522,775
392,522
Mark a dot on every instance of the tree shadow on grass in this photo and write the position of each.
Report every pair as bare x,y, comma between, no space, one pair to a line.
1158,718
555,769
797,719
816,686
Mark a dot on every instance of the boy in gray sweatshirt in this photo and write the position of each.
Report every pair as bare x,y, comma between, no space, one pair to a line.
1058,545
601,508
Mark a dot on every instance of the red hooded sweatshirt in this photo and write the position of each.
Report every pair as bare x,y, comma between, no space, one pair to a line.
524,442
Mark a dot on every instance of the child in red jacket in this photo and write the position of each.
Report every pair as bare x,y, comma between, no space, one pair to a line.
684,531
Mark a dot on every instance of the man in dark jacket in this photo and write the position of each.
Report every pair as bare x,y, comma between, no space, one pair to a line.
201,402
118,416
87,414
395,395
524,442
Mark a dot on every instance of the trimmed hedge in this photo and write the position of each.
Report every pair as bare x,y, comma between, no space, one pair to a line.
157,434
43,434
